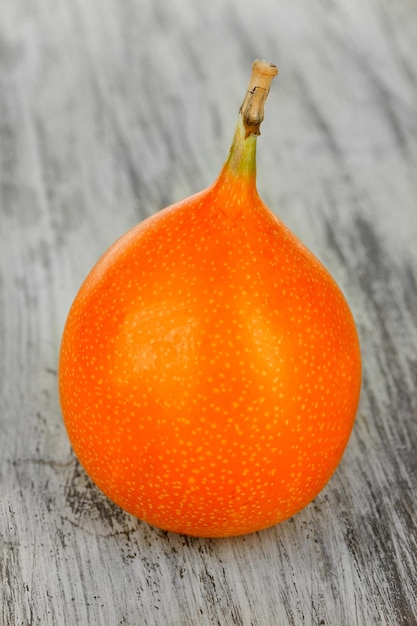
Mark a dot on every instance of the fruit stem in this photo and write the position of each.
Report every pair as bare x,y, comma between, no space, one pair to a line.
252,109
241,161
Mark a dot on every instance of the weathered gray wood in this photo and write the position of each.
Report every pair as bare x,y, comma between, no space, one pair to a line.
109,111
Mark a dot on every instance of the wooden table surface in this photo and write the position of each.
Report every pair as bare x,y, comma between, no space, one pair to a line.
111,110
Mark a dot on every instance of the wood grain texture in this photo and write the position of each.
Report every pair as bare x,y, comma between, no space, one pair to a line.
111,110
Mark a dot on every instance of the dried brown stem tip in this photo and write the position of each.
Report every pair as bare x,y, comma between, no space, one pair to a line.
252,108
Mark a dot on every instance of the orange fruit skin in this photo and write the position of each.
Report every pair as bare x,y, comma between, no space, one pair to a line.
210,368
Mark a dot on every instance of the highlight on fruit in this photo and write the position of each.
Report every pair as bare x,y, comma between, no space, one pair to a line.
210,369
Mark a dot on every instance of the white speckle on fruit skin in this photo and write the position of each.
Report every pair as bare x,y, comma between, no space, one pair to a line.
207,358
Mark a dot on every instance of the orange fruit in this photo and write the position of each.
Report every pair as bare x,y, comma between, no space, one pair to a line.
210,367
